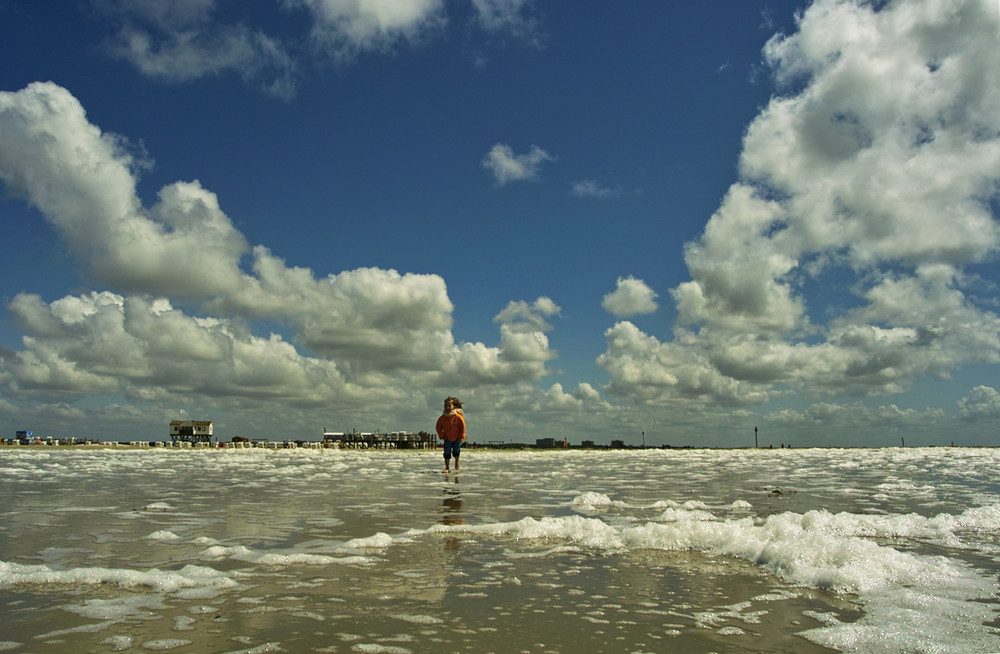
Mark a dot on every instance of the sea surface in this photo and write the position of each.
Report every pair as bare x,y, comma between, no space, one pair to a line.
788,550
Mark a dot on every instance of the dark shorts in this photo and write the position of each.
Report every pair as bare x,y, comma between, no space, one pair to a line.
452,448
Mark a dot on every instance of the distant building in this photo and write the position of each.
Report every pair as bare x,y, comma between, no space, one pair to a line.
393,440
618,445
192,431
550,442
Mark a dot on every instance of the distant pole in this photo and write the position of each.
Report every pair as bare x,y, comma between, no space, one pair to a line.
755,435
643,440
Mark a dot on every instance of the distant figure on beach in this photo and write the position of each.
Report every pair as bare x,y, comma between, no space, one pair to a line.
451,429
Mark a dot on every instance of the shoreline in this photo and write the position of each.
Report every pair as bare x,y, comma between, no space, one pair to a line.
184,446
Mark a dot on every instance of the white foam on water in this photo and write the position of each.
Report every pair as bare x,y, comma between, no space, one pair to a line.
188,577
84,628
380,540
590,501
119,608
118,643
910,599
278,558
158,506
419,619
375,648
560,549
183,623
266,648
163,535
715,502
677,515
161,644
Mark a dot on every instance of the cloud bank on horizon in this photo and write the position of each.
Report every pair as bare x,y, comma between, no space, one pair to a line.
876,161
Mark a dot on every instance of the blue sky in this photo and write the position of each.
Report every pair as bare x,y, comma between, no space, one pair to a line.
589,221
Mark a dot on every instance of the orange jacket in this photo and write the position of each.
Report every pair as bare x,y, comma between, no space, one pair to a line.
451,427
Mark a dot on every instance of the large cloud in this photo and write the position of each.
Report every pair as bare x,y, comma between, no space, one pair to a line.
368,327
378,318
83,181
891,151
874,172
102,343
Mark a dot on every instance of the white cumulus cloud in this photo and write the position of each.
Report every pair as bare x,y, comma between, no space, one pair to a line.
181,40
591,188
188,322
876,168
84,181
982,402
631,296
509,16
184,40
508,167
348,27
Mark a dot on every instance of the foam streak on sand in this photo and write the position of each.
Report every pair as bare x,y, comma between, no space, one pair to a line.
854,550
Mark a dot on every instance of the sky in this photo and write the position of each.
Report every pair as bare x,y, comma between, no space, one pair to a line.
662,223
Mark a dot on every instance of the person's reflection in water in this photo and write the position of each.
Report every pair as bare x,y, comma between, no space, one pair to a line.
451,508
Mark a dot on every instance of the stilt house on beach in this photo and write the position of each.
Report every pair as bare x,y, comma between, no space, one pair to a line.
192,431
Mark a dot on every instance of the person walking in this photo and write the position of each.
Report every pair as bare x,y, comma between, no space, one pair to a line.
451,429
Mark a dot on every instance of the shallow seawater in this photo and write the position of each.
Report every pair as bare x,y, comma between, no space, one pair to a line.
809,550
